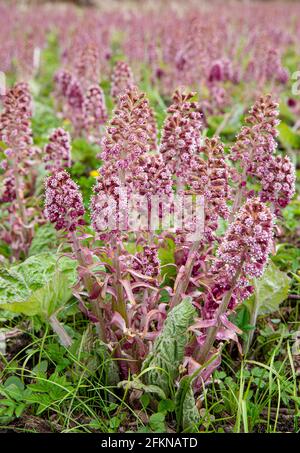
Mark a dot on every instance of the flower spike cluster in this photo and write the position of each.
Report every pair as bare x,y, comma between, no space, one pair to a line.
129,137
242,255
121,80
218,176
150,176
15,129
87,68
63,202
75,100
62,80
255,148
106,200
209,177
129,133
278,182
181,135
256,141
58,150
94,109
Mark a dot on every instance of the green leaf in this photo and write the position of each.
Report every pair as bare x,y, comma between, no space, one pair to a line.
40,368
270,290
157,422
166,255
137,384
161,367
187,414
44,240
145,400
166,406
20,409
38,286
114,422
285,113
14,380
14,392
288,137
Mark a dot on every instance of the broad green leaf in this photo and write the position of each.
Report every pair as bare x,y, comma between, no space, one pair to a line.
288,137
270,290
38,286
161,367
44,240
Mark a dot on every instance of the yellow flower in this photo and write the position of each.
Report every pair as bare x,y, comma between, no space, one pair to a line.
94,173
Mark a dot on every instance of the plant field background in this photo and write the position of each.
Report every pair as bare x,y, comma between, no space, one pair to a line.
56,374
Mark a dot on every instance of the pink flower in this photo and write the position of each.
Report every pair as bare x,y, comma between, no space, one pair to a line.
209,177
106,203
256,141
15,129
181,135
8,191
147,261
75,100
278,181
150,176
63,202
94,109
87,68
130,132
58,150
62,80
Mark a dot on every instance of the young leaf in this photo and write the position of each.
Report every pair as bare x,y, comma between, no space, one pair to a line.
187,414
161,366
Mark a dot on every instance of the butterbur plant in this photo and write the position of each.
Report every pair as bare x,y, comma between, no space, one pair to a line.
144,305
242,255
64,209
20,158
